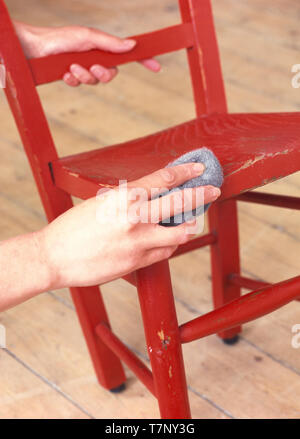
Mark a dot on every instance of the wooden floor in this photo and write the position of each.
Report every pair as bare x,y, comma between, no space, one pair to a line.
45,370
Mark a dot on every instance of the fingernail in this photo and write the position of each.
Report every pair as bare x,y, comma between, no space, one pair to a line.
199,168
106,76
167,175
129,43
215,192
98,71
75,68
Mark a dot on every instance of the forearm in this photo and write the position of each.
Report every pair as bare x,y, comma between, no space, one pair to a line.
24,272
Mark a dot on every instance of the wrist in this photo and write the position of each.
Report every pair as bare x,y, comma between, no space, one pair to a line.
29,38
26,273
50,276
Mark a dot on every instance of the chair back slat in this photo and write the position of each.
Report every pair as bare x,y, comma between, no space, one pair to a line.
196,34
52,68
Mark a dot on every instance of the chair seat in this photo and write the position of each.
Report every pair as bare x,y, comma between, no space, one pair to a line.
254,149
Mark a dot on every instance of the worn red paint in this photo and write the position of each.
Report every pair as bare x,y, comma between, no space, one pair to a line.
129,358
244,309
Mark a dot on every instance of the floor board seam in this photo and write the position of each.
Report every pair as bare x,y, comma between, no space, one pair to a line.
49,383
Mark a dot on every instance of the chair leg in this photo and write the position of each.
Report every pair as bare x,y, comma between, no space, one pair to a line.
223,222
163,340
91,311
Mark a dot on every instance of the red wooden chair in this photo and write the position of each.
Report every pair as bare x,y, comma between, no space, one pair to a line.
254,149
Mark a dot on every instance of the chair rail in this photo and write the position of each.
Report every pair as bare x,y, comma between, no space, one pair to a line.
52,68
244,309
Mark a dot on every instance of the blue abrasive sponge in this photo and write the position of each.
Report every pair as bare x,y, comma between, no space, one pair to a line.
212,175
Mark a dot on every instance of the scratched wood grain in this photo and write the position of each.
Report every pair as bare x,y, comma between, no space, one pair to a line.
259,43
253,150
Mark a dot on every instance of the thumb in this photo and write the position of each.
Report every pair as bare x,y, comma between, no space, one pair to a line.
110,43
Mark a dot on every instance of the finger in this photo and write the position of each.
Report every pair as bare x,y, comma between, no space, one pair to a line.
168,178
102,40
157,254
70,79
83,75
102,74
172,236
151,64
180,201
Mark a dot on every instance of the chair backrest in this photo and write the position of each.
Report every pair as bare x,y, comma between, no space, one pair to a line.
196,34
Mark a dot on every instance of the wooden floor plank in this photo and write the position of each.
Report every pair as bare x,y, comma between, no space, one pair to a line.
24,395
48,373
47,326
208,361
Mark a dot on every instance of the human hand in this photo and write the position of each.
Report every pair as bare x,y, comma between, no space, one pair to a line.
45,41
96,241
